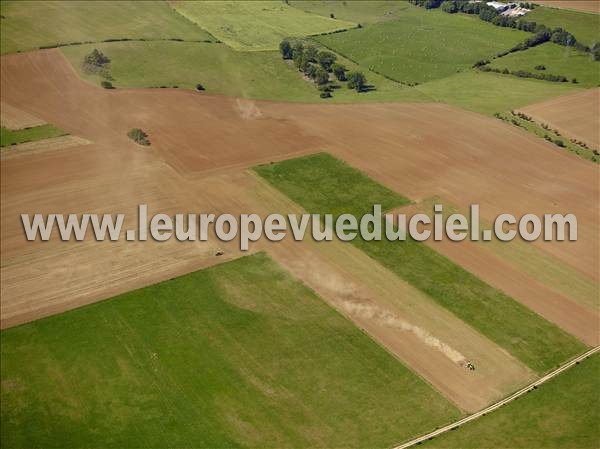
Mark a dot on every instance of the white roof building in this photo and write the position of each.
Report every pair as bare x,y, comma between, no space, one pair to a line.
498,6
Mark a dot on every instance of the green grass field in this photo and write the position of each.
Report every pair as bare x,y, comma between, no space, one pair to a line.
27,25
257,74
557,59
256,25
561,414
238,355
10,137
584,26
358,11
423,45
488,93
342,189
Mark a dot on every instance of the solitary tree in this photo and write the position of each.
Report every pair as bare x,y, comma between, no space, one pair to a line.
286,49
96,58
356,81
326,59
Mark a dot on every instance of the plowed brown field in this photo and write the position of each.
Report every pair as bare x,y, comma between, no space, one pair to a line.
576,115
579,5
201,145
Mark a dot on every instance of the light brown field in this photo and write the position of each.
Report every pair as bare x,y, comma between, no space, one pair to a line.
201,146
13,118
578,5
499,264
575,116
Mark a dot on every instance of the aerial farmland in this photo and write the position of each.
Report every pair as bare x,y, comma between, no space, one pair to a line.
219,224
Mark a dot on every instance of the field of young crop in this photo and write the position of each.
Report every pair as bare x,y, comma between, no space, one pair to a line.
423,45
554,59
9,137
256,25
232,356
548,417
29,25
583,25
530,338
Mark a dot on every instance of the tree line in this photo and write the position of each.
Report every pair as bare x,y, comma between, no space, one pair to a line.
319,64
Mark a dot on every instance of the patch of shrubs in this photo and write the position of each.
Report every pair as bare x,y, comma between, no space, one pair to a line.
106,84
139,137
540,67
98,63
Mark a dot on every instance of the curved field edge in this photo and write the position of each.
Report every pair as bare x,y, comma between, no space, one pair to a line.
29,25
536,342
562,413
237,355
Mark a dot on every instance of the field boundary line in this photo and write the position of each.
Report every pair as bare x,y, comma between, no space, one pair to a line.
497,405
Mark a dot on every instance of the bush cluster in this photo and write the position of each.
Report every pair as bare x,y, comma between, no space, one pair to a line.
139,137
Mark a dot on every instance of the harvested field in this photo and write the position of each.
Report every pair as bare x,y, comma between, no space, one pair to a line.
41,146
578,5
196,138
13,118
574,115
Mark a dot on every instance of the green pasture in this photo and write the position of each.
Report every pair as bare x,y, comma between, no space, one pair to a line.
256,25
28,25
423,45
238,355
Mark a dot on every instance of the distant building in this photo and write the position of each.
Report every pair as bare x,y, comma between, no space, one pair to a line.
500,7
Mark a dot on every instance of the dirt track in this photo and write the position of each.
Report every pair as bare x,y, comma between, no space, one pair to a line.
200,146
575,115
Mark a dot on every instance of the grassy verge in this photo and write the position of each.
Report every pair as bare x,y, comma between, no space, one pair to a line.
238,355
423,45
342,189
556,60
28,25
9,137
562,413
256,25
560,142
